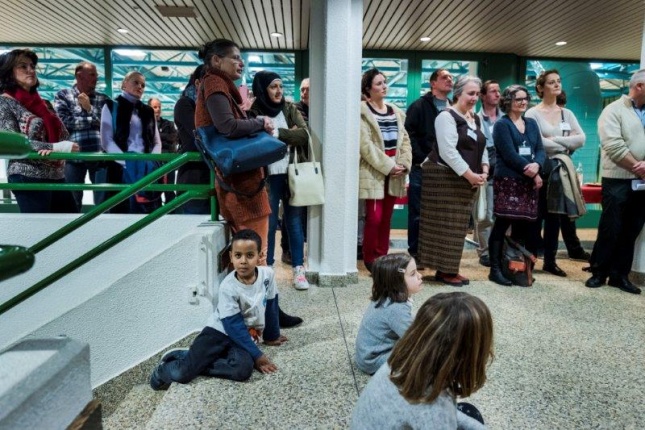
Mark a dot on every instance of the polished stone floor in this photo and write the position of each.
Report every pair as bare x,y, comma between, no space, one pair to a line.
566,357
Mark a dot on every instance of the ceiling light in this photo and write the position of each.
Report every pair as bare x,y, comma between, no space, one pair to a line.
276,34
130,52
560,43
122,30
425,39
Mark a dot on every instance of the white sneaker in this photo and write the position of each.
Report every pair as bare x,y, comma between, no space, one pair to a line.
299,278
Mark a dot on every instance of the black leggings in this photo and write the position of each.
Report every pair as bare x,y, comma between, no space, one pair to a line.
520,232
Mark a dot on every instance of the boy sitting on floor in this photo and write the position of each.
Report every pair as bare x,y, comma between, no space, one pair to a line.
247,311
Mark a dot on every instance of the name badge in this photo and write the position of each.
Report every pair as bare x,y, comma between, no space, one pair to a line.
472,134
525,150
565,126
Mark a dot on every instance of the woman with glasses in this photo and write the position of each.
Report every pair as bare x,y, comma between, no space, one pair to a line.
242,202
520,157
561,135
23,111
218,104
456,167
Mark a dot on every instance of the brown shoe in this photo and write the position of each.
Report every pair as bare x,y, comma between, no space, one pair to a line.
449,279
463,279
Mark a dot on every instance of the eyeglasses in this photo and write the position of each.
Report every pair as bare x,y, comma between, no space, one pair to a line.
236,58
521,100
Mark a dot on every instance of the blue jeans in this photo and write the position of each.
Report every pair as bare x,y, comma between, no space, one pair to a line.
211,354
75,174
292,217
42,201
414,209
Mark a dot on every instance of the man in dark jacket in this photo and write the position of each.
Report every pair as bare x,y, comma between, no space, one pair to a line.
168,134
419,124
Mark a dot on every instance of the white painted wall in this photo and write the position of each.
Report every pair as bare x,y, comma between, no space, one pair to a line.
127,304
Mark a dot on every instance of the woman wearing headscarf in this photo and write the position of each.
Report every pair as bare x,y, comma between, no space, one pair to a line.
520,157
561,135
289,127
219,104
457,166
386,158
196,172
129,125
23,111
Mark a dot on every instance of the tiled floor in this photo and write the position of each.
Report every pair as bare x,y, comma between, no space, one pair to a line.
566,357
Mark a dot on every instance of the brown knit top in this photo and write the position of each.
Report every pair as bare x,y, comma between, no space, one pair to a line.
234,208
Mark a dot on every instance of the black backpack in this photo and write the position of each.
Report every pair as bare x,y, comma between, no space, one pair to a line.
517,263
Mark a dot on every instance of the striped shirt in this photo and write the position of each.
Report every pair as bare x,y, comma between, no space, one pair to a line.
389,128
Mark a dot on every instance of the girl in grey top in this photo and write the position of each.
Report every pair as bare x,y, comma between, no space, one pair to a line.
389,314
442,356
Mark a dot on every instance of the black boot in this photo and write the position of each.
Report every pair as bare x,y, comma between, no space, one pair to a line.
287,321
495,253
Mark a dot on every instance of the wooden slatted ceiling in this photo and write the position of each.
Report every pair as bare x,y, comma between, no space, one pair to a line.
592,28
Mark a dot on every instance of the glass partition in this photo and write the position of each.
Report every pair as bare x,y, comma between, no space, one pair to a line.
456,68
589,87
395,71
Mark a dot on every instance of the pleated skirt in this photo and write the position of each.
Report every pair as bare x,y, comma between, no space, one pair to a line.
446,206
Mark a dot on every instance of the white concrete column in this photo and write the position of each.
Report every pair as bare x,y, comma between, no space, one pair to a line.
638,264
335,52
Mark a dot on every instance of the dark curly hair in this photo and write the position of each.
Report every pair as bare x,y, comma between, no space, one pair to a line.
8,61
509,95
247,234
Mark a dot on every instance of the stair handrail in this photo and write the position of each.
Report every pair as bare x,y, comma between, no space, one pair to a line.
174,161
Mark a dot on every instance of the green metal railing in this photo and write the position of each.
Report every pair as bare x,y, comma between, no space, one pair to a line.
18,255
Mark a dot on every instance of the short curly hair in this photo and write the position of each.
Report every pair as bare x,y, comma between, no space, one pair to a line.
508,96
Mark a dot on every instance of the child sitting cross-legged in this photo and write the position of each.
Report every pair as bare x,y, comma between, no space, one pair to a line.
442,357
389,314
246,312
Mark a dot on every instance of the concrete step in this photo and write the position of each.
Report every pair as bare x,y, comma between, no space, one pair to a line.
135,410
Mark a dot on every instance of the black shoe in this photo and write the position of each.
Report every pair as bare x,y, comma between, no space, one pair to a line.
484,260
596,281
155,380
286,257
624,284
580,256
554,269
498,277
287,321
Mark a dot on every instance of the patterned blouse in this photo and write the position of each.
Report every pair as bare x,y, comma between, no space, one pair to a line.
15,117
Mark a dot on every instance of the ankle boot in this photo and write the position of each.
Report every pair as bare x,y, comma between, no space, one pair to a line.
496,275
288,321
